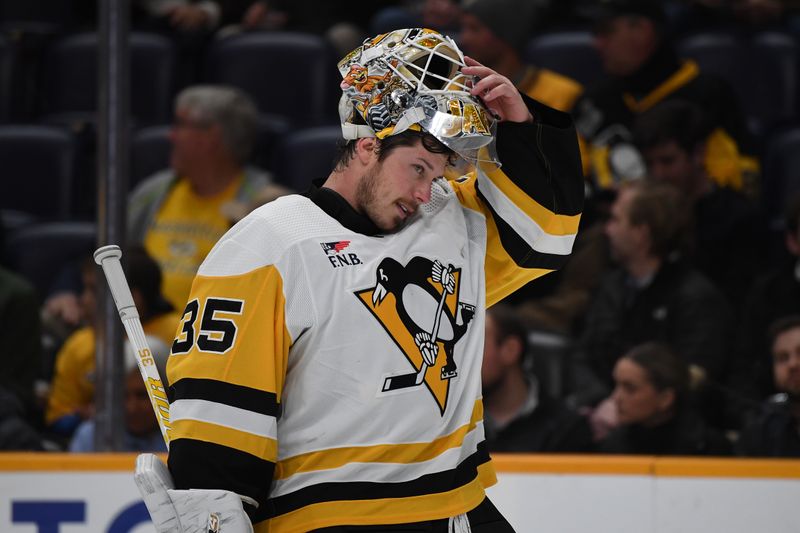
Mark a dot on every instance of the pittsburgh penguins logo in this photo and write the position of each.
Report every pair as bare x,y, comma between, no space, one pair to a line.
418,306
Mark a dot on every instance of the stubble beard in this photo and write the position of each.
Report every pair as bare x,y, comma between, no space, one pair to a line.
367,200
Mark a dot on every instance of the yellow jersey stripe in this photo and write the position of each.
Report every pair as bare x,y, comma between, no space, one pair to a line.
506,278
382,453
550,222
263,448
386,510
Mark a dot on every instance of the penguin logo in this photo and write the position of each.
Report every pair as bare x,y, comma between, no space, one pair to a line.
418,306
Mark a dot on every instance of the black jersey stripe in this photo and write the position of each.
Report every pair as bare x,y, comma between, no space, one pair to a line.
248,398
198,464
517,248
530,155
438,482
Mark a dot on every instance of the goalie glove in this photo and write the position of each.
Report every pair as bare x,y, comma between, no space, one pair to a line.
187,511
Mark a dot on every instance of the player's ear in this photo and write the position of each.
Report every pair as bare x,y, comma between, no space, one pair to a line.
365,149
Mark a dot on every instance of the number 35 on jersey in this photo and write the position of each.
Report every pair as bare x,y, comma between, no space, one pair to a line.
210,324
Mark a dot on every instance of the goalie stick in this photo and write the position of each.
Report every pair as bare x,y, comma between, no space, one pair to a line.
171,510
108,257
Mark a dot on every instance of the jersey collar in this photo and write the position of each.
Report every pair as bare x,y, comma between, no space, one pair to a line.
337,207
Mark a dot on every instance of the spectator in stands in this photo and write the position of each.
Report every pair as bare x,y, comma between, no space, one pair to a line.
775,430
72,390
774,295
142,433
653,413
643,69
653,294
729,234
519,416
495,33
178,213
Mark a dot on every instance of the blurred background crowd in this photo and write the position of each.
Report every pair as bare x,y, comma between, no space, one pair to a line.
673,329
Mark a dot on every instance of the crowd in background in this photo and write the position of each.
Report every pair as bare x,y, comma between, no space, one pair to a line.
674,329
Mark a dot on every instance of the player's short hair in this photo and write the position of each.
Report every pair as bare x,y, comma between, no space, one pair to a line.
387,145
230,108
680,121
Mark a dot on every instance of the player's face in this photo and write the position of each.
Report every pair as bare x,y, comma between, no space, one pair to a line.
391,191
786,362
637,401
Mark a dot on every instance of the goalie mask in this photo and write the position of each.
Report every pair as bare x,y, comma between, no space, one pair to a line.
412,79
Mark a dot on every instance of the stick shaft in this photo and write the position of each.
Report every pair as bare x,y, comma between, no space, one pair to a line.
108,257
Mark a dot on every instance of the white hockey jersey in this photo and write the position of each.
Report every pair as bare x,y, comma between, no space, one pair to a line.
333,374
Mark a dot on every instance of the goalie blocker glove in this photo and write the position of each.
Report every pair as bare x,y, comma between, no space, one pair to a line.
187,511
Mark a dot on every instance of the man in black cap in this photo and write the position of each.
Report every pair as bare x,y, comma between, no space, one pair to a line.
495,32
644,69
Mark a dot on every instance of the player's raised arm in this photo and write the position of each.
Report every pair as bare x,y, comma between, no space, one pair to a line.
533,201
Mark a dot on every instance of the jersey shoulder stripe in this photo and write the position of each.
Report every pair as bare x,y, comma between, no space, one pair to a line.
225,393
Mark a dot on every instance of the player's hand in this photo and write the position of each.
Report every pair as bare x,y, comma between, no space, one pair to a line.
497,92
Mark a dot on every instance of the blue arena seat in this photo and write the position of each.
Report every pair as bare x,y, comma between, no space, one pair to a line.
288,74
762,69
55,13
306,155
38,170
570,53
39,252
150,148
272,129
70,77
12,220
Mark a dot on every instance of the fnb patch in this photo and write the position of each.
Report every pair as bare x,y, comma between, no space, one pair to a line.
333,251
332,248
